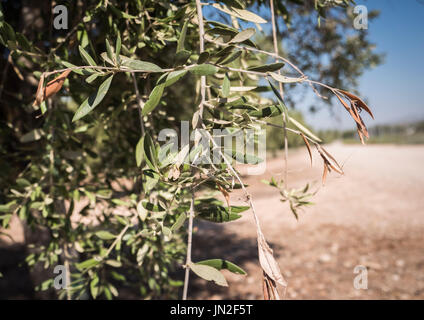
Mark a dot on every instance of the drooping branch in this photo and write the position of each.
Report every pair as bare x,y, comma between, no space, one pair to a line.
275,41
198,121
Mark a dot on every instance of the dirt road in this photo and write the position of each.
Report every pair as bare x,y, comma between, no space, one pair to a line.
372,216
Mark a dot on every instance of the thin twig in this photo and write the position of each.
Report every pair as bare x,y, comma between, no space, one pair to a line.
114,243
189,246
200,120
140,103
286,144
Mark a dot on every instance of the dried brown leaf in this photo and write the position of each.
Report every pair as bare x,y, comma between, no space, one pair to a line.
329,159
39,96
361,103
268,263
270,290
225,194
307,146
324,174
361,137
51,88
55,85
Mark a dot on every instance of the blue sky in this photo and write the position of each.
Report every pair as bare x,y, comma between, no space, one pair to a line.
393,90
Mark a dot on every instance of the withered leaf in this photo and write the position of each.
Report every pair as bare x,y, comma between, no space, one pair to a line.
226,195
51,88
40,92
307,146
361,103
329,159
268,263
269,288
324,174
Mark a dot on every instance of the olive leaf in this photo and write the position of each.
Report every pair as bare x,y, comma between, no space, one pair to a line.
304,129
204,69
154,99
268,67
240,13
86,56
209,273
223,264
90,103
243,35
140,65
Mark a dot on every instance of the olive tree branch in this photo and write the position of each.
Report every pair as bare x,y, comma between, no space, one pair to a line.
286,144
199,120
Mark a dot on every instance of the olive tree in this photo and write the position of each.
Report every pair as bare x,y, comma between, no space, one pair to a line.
88,166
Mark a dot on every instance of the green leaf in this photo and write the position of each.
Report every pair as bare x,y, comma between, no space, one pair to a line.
31,136
203,57
142,212
82,72
9,207
140,65
181,39
179,222
226,86
243,35
23,42
181,57
283,108
120,202
109,51
204,69
94,289
90,103
170,78
268,67
139,151
154,99
87,264
150,152
118,48
8,32
240,13
230,58
86,56
305,130
105,235
216,213
105,57
239,4
93,77
245,158
209,273
223,264
239,209
267,112
152,207
225,52
283,79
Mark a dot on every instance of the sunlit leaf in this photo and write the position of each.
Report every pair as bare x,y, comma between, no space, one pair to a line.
240,13
154,99
209,273
204,69
223,264
90,103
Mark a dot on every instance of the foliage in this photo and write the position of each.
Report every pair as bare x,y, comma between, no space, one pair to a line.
82,164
